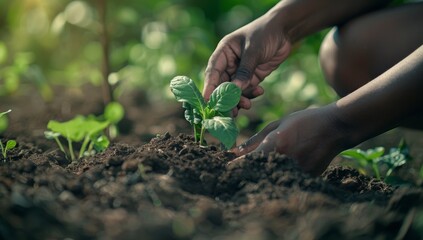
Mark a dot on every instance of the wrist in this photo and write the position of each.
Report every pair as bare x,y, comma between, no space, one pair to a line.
347,134
279,16
297,19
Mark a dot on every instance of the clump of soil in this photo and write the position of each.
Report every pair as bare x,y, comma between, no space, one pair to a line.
171,188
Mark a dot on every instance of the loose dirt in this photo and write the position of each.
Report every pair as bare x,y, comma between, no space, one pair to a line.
167,187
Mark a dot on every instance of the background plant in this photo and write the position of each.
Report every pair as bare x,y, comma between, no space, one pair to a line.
89,132
377,162
149,42
10,144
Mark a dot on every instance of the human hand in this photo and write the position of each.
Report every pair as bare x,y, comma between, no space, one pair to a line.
312,137
246,57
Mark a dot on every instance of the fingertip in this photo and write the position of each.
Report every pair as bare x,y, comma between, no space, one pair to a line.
244,103
235,150
258,91
239,83
207,91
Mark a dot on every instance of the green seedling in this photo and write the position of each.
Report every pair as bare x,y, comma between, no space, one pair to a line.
213,116
10,144
87,131
375,159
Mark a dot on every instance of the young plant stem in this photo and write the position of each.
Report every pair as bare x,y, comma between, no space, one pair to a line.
72,154
376,170
3,151
197,131
60,146
202,136
90,147
84,146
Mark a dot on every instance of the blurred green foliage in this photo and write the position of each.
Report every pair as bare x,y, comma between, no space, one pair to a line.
56,42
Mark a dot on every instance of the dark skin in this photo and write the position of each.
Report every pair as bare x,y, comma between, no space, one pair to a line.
314,136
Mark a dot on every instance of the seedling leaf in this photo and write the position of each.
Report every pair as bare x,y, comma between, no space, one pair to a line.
10,145
114,112
191,115
101,143
4,113
79,129
70,129
92,127
375,152
225,97
51,135
354,154
223,128
4,121
185,90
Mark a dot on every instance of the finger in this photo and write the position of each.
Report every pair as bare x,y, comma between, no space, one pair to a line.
253,92
268,144
211,82
214,71
244,103
235,163
252,143
246,68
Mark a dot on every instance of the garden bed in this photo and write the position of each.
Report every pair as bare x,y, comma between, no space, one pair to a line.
170,188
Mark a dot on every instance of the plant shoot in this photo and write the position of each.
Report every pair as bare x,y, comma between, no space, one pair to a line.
213,116
10,144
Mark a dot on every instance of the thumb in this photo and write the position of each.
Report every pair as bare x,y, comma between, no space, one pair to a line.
256,140
247,65
268,144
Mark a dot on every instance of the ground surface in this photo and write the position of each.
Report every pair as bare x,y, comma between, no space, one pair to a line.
167,187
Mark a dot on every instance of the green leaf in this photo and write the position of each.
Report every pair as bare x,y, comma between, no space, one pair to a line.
185,90
11,144
222,128
114,112
189,115
70,129
101,143
51,135
93,127
4,113
4,123
375,153
225,97
77,128
354,154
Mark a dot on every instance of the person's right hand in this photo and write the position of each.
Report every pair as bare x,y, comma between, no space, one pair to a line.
246,57
312,137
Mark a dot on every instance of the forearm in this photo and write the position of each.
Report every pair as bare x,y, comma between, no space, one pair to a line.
299,18
384,103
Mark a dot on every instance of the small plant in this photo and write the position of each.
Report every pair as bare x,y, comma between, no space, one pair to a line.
88,131
85,130
10,144
375,159
213,116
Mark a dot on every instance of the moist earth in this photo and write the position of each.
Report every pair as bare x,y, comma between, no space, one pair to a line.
169,187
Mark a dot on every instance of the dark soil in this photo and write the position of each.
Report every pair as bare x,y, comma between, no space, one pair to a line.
170,188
